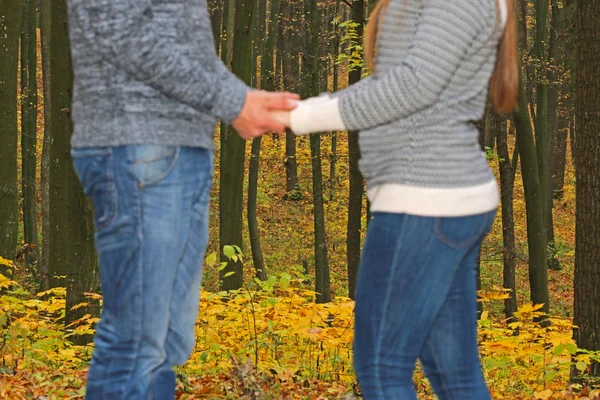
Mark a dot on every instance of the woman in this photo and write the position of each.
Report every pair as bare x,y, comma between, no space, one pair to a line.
433,196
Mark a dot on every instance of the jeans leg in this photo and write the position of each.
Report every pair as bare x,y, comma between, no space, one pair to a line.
403,281
112,187
183,310
407,272
450,355
140,253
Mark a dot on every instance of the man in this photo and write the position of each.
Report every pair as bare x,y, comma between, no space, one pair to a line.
148,90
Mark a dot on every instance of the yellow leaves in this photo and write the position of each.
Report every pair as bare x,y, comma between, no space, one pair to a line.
544,395
6,283
528,312
4,261
80,305
92,296
496,293
59,292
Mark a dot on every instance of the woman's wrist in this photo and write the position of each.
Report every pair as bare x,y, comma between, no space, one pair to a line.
317,114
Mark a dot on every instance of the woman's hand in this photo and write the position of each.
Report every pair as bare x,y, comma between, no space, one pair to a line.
283,117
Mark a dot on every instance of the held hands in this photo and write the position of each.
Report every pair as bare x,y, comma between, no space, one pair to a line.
283,117
262,112
315,114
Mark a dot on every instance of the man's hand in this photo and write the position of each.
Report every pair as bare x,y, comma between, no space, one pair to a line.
255,117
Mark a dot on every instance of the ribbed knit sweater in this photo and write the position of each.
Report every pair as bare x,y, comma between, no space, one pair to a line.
146,72
419,145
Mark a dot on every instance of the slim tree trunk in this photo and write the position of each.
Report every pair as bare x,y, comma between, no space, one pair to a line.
290,82
10,18
560,96
257,255
266,70
587,249
233,148
335,53
29,128
508,220
71,255
216,19
542,139
355,198
536,234
310,88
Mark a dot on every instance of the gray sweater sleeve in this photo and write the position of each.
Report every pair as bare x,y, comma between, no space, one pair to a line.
126,34
445,32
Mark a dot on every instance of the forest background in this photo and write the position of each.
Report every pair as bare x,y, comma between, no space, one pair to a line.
289,214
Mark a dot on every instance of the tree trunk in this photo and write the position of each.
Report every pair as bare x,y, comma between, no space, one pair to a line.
71,255
310,71
215,8
355,197
233,148
587,249
290,60
542,139
29,129
536,234
10,18
257,255
508,221
560,97
266,72
335,52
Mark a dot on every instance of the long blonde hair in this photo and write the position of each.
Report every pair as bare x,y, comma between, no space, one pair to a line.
504,83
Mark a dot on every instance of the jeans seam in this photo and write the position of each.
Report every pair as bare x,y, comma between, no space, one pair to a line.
461,260
140,235
114,193
384,314
441,376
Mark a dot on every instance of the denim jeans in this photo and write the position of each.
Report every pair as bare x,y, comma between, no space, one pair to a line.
416,299
151,215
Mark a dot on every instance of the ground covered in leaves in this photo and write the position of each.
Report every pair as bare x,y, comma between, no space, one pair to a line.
271,341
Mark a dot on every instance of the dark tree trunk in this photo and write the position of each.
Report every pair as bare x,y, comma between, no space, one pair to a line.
536,234
542,135
215,7
560,96
355,198
70,236
10,18
290,33
587,148
29,129
507,174
257,255
267,50
310,87
233,148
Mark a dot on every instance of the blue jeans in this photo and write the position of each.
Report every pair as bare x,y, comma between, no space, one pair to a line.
416,299
151,214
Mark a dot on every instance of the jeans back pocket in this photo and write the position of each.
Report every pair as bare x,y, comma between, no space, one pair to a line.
460,232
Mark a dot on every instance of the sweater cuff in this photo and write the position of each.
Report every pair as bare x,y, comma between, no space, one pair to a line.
317,114
230,98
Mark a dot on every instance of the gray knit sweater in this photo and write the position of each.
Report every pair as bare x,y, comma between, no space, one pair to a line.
415,113
146,72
